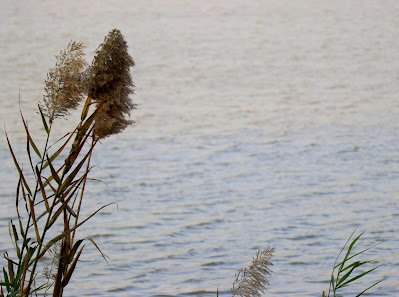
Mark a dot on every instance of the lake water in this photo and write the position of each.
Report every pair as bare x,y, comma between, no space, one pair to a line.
259,123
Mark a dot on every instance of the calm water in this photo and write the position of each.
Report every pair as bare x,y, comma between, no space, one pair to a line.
259,123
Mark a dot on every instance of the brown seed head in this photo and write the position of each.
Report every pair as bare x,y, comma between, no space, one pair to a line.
110,85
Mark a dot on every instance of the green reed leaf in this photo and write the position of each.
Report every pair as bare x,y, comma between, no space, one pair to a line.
369,288
44,120
358,276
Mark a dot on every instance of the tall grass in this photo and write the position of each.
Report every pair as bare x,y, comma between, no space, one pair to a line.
49,198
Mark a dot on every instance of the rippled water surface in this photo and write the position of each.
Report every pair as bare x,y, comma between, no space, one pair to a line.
259,123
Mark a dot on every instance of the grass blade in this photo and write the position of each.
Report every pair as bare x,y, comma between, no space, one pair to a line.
357,277
42,190
44,120
17,166
32,212
369,288
53,172
85,109
29,138
102,254
68,275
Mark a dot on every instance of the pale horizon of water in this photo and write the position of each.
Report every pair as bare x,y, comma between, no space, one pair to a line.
258,123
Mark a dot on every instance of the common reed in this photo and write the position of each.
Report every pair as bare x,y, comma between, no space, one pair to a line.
343,273
51,195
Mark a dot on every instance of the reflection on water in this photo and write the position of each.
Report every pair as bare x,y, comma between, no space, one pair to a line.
264,123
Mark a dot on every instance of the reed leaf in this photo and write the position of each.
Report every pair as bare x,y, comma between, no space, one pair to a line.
68,275
10,270
46,128
361,293
17,166
29,139
41,187
95,244
14,237
72,252
85,109
53,172
32,213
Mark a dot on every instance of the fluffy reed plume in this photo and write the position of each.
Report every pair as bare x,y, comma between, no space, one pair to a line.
252,281
65,82
110,85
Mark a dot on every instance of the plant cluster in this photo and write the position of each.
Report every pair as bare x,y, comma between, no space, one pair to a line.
50,196
253,281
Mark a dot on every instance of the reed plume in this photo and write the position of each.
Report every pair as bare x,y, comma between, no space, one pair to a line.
65,82
253,281
110,85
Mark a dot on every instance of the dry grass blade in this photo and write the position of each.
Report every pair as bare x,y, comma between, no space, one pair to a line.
32,213
72,252
85,109
95,244
68,275
54,174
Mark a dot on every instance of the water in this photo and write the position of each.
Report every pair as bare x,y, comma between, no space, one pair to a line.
259,123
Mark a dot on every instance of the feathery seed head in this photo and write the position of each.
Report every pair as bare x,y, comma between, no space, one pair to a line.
252,281
110,85
65,82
